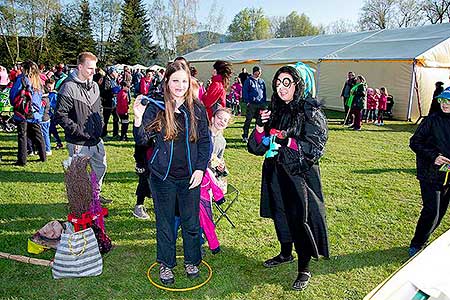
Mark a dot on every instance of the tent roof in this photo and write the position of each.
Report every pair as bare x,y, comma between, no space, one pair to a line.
386,44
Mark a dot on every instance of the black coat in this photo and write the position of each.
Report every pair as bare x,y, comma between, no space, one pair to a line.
360,96
294,175
431,139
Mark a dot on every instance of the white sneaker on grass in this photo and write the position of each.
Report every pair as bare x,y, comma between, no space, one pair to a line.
140,212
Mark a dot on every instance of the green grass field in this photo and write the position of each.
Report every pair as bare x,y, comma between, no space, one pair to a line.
372,200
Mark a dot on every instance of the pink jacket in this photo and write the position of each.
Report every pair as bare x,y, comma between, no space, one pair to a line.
206,219
382,102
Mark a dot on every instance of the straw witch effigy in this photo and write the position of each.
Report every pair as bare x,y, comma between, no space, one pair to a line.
78,186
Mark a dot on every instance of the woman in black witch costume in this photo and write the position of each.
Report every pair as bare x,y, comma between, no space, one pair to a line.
292,136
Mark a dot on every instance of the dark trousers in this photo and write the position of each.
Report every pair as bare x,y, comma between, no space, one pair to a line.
165,196
252,112
33,132
380,116
435,200
107,112
356,112
143,188
54,131
124,126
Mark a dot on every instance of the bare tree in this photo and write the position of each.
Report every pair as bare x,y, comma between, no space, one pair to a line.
340,26
409,13
172,19
214,23
436,10
106,23
275,23
10,17
377,14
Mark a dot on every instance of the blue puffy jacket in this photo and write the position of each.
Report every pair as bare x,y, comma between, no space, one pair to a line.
36,99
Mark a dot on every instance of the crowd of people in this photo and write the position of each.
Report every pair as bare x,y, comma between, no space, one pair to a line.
363,104
178,129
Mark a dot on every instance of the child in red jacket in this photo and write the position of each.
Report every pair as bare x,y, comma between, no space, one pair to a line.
123,101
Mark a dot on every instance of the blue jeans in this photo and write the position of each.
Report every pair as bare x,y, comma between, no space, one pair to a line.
45,128
165,194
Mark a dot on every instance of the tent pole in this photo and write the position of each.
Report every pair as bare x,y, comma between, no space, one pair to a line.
411,90
318,78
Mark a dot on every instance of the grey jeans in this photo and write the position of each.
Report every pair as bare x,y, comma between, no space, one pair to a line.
97,157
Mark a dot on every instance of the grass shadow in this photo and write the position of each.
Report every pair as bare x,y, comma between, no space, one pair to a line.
386,170
357,260
22,175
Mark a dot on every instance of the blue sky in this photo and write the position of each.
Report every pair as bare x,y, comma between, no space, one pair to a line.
321,11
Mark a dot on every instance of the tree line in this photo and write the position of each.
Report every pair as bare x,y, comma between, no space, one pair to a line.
128,31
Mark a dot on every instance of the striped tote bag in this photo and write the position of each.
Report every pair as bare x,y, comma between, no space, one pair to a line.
77,255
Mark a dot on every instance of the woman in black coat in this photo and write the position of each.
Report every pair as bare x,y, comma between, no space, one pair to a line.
431,143
292,136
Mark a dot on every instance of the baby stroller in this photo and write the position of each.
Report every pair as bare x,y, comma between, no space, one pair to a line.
389,104
6,112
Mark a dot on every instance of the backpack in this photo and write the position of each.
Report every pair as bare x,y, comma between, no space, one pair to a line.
23,108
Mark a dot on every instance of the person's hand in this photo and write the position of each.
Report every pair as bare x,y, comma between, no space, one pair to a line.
138,110
196,179
262,118
221,167
440,160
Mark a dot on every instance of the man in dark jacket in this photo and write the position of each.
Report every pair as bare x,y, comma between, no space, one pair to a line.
79,112
254,95
431,143
345,94
108,91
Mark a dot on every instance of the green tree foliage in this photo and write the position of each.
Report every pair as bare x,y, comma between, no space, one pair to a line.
296,25
249,24
134,44
70,33
83,27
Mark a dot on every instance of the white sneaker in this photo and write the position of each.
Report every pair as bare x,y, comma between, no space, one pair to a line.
48,153
140,213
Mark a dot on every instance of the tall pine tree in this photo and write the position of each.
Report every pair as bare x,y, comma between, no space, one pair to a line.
86,40
134,43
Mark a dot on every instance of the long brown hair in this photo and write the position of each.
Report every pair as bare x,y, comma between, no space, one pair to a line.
224,69
166,119
31,70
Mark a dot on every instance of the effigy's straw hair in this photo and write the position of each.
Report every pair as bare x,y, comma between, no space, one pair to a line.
78,186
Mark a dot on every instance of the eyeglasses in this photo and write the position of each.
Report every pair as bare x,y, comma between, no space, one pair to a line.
443,101
287,82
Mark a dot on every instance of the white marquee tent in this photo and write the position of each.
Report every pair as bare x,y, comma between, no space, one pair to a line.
407,61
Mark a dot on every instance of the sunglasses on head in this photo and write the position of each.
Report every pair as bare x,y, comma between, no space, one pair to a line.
443,101
287,82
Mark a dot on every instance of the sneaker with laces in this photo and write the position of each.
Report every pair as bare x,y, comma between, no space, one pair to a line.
191,271
166,275
48,153
278,260
140,212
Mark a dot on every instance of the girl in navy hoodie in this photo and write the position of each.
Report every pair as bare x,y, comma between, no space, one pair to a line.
178,127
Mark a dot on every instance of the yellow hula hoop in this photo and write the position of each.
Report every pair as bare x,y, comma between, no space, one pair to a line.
180,289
